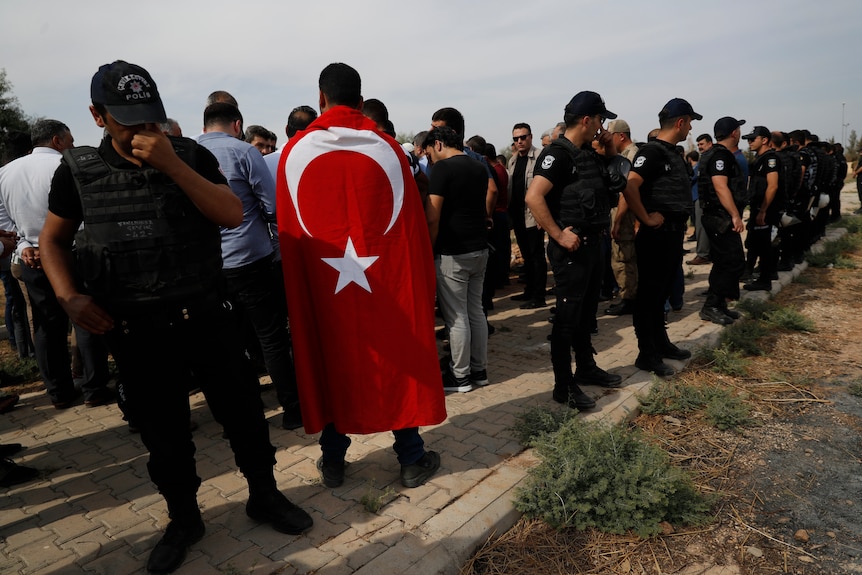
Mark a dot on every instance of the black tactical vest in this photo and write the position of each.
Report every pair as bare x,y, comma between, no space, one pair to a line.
735,181
143,239
670,193
757,183
585,203
792,170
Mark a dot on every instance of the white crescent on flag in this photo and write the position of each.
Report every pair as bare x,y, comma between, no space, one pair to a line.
339,139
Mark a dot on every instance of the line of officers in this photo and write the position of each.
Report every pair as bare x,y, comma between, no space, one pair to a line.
792,191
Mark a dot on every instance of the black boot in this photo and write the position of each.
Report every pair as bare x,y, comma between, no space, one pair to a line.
269,505
186,527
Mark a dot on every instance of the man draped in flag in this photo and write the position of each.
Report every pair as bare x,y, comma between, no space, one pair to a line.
359,277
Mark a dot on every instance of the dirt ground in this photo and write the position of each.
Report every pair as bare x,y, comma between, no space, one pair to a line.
789,485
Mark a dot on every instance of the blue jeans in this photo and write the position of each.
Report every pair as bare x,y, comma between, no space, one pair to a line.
409,445
459,295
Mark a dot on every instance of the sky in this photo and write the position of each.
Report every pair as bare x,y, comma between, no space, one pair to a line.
784,64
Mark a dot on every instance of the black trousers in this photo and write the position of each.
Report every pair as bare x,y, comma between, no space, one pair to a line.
51,330
728,261
659,260
759,244
531,242
577,279
257,292
156,349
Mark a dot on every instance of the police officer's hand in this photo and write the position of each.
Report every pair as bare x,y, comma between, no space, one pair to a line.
569,240
738,226
654,220
760,220
86,313
154,148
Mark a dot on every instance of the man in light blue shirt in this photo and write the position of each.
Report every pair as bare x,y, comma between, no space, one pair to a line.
254,281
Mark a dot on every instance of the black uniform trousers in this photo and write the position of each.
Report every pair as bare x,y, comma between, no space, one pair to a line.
51,331
531,242
155,349
728,259
659,259
577,278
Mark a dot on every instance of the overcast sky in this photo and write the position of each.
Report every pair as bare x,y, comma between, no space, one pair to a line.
784,64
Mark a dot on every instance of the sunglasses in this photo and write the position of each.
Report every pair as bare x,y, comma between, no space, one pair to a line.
520,138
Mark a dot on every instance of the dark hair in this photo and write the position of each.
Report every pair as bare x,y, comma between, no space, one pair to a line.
257,131
490,152
666,122
522,126
797,136
341,85
444,134
43,131
419,139
706,137
778,138
693,155
477,144
299,119
221,113
221,97
452,118
376,111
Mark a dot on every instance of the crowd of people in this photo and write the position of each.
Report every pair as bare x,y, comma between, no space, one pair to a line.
320,263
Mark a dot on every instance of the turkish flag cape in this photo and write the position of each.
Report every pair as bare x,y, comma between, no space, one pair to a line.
360,280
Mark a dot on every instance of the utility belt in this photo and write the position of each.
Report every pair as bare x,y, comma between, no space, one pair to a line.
167,313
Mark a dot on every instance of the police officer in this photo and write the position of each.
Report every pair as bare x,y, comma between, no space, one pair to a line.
150,256
570,199
723,190
658,192
767,203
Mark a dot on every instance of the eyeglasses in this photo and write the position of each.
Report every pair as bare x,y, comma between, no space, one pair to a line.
520,138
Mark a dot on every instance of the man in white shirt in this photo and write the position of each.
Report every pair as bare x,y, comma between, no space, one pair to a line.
24,187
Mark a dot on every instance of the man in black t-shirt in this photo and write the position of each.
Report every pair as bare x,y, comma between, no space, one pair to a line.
570,199
457,213
159,296
658,193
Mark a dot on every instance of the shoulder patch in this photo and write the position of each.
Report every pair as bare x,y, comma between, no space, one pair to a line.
719,165
640,161
548,162
771,162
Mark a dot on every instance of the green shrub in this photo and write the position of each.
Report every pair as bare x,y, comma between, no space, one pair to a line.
725,360
725,410
756,309
743,336
833,252
671,397
789,319
539,421
14,371
610,479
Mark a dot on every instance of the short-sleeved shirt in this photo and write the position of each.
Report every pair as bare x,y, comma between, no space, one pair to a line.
65,202
556,165
462,182
765,164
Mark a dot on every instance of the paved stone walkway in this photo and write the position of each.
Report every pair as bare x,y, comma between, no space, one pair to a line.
94,509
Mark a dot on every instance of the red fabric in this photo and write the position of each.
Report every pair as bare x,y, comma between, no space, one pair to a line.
365,361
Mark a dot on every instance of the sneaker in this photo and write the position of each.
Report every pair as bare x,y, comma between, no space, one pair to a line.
274,508
715,315
331,472
656,366
459,384
533,304
699,261
416,474
479,377
170,552
671,351
574,398
597,376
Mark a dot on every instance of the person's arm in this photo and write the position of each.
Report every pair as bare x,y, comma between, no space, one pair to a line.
622,209
771,190
539,188
215,201
433,208
632,195
490,200
55,247
725,196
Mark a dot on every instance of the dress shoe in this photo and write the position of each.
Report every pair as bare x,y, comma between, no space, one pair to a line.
534,304
9,449
67,401
292,417
715,315
271,506
656,366
574,397
623,307
699,261
170,552
597,376
731,313
671,351
331,472
8,401
785,266
521,297
101,396
416,474
758,286
13,474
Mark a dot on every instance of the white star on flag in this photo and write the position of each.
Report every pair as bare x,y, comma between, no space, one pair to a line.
351,268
